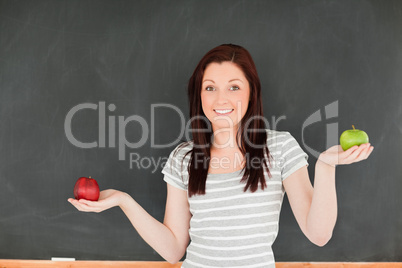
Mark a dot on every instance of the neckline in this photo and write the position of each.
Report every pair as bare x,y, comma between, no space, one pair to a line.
222,174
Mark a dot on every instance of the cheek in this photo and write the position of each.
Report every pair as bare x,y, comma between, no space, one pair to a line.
205,103
245,102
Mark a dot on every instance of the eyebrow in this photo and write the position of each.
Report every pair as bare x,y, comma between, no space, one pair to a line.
236,79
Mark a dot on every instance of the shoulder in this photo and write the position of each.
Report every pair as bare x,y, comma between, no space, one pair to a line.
180,155
182,149
276,137
175,168
282,143
276,133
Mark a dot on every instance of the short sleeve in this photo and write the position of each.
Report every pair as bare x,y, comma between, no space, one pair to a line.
292,156
173,170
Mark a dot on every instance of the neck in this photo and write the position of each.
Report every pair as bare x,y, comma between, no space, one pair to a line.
224,138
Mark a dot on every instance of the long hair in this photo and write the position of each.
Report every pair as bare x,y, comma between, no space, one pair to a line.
251,132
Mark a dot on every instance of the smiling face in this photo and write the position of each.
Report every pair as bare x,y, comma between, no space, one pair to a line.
225,94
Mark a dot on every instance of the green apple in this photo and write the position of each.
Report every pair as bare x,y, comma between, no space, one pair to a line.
352,137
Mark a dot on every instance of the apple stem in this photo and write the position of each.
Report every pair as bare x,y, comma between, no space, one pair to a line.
353,127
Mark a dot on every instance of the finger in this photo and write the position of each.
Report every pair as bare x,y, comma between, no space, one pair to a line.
358,154
77,201
352,154
365,150
92,206
352,149
73,202
86,202
81,205
348,152
366,153
86,208
77,205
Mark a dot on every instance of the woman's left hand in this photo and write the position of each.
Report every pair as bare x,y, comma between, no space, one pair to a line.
337,156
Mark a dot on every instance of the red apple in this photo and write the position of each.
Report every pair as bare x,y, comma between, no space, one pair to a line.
86,188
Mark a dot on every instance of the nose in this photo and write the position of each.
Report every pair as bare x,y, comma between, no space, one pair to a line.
222,97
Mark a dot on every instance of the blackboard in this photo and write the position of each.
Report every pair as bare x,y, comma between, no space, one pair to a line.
329,63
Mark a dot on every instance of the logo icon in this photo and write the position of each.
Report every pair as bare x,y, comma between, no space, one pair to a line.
332,129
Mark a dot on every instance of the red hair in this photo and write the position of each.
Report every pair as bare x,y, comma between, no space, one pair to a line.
251,126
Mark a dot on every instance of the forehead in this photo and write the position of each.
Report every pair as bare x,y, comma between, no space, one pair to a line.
223,70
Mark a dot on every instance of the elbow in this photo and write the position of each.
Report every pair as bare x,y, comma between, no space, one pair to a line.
319,236
321,240
175,257
173,260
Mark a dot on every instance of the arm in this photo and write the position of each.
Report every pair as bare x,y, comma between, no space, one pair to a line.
315,209
169,239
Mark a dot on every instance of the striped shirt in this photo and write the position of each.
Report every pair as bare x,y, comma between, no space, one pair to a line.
230,227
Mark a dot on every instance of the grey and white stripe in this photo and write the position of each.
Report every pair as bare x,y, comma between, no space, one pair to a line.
230,227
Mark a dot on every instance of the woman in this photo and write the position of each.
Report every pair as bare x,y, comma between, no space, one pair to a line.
225,187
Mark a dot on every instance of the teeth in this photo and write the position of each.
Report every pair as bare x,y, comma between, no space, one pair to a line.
223,111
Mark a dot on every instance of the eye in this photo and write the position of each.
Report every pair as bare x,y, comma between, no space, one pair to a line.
209,88
234,88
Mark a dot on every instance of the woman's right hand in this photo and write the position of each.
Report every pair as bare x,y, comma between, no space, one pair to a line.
170,238
107,199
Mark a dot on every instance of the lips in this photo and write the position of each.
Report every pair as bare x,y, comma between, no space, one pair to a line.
223,111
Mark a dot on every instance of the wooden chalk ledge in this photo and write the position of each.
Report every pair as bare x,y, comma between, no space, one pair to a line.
129,264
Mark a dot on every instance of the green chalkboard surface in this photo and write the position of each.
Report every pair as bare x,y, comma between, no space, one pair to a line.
98,88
